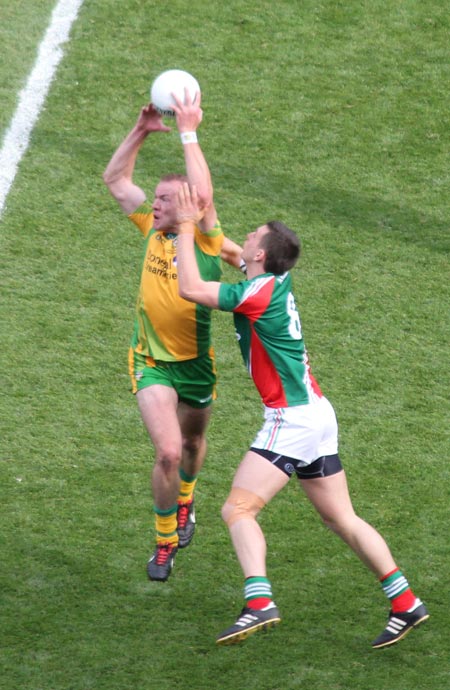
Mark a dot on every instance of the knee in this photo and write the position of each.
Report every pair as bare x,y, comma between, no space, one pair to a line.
168,458
330,523
342,525
241,505
226,512
193,444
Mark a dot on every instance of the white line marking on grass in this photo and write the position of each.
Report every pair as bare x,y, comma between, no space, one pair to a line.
32,97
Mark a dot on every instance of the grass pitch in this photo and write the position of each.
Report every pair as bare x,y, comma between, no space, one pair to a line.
333,118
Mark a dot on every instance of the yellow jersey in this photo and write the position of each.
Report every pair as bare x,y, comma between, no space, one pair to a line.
167,327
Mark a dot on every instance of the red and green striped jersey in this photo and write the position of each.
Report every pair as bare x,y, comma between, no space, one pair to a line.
269,332
167,327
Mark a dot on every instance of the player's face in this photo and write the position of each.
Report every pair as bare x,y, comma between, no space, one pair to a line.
165,205
252,245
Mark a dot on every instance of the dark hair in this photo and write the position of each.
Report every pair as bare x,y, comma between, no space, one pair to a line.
282,248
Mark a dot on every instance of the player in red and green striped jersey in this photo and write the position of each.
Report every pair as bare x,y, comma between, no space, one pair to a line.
299,435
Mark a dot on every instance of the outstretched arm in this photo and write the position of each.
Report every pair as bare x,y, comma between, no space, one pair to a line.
191,286
188,117
118,175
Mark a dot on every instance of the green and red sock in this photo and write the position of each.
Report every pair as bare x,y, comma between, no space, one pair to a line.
397,589
257,592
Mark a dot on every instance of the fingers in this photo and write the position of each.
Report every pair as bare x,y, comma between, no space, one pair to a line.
183,195
191,194
197,99
178,104
192,101
188,195
188,202
188,101
152,119
150,109
188,210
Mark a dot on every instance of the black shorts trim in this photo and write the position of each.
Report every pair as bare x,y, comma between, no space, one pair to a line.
325,466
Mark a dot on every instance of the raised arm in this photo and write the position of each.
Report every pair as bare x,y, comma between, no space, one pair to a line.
190,284
118,175
188,118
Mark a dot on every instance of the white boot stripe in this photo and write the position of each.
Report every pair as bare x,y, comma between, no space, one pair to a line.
395,627
245,620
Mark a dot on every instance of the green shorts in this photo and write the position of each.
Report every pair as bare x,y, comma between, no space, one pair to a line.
194,380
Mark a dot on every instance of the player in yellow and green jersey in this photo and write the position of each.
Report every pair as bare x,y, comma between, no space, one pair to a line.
171,361
183,331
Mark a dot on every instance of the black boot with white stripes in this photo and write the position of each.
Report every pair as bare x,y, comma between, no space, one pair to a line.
400,624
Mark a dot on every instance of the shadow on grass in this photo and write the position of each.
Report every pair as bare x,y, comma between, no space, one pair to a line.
339,207
372,213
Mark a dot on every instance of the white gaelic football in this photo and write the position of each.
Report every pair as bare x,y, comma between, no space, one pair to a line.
172,81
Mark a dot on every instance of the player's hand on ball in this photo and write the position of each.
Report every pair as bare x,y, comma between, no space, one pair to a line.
189,213
151,120
188,114
173,83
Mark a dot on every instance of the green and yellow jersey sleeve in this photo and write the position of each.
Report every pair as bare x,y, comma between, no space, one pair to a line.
169,328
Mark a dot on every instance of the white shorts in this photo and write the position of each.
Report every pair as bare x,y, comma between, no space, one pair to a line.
304,432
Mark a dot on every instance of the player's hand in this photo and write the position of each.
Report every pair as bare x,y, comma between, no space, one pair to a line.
188,211
189,114
150,120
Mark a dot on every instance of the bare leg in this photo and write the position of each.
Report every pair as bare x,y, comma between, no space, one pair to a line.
258,476
330,497
158,406
193,423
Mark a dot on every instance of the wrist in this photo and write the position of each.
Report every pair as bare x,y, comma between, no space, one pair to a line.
187,227
188,138
243,266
